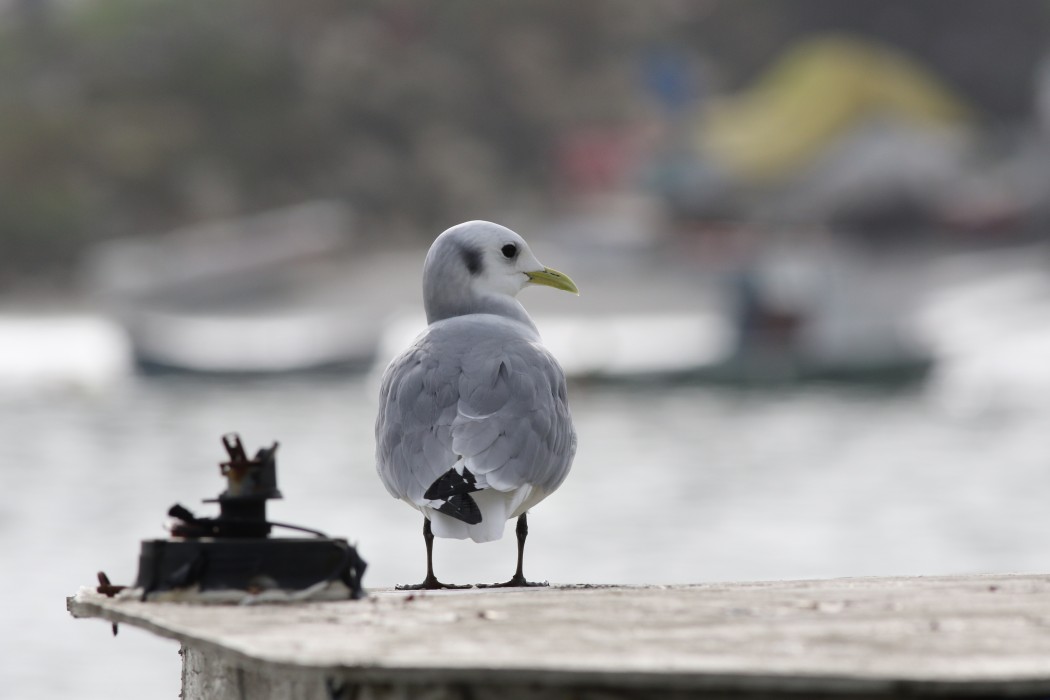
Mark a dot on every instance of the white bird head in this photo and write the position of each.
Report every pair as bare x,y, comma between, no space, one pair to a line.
479,267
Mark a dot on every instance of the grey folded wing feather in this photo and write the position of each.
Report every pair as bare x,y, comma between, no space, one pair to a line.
498,402
417,404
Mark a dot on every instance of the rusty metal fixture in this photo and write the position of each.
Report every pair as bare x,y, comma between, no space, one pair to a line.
249,478
250,483
234,551
105,587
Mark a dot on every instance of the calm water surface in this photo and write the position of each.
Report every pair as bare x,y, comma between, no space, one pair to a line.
670,485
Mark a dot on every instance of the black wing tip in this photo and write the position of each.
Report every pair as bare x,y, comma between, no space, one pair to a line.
462,507
451,483
454,489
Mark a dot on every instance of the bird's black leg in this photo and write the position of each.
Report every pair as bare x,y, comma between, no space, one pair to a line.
430,583
518,579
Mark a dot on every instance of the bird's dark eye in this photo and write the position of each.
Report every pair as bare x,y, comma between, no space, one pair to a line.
509,250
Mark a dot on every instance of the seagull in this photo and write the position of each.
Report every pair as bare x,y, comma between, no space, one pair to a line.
474,425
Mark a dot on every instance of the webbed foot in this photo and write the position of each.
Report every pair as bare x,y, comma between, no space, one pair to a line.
430,583
516,581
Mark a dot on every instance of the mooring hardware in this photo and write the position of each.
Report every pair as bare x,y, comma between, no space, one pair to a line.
234,551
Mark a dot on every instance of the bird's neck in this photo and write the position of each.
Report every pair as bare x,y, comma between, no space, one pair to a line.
467,304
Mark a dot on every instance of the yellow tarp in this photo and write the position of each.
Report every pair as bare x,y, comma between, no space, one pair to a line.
812,94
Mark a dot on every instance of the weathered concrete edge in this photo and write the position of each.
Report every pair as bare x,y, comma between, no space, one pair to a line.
585,678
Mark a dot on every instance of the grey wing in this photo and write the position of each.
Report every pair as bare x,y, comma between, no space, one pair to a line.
417,406
513,425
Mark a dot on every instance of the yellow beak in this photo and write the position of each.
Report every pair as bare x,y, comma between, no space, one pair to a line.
552,278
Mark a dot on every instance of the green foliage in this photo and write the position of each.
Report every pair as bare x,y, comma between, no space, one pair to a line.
128,116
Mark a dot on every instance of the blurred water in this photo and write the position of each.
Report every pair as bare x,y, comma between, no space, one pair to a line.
670,485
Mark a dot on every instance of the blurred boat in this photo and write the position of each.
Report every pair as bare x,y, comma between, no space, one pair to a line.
783,317
268,341
764,370
244,296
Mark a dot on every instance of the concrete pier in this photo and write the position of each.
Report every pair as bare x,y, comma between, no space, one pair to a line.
969,636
